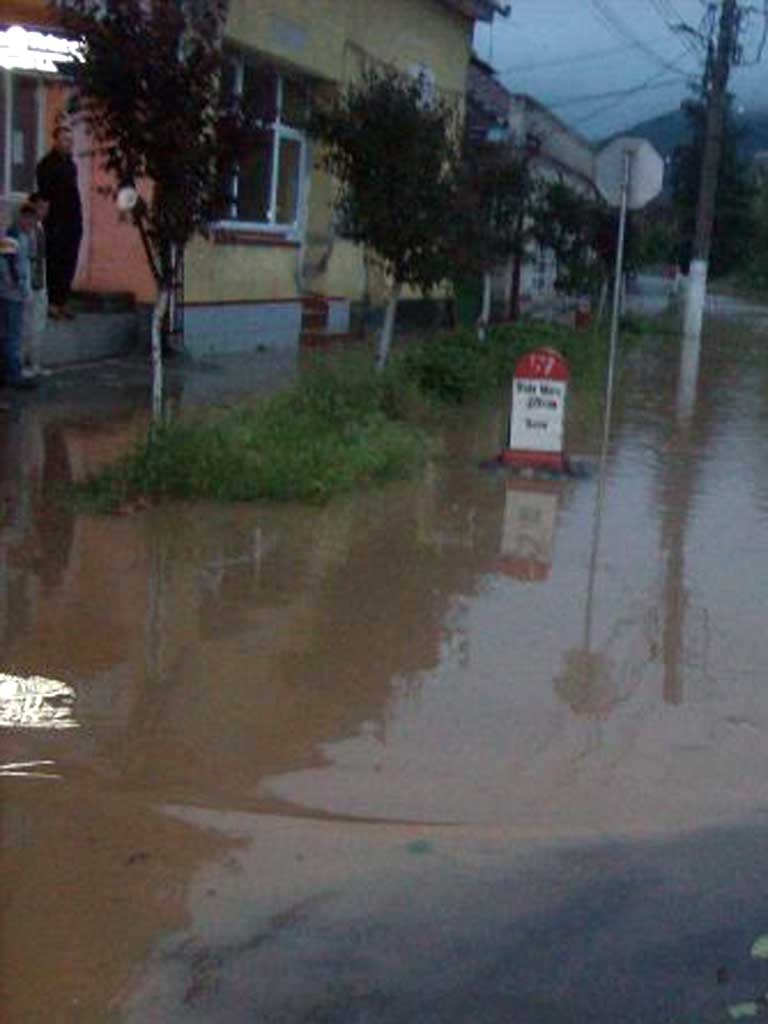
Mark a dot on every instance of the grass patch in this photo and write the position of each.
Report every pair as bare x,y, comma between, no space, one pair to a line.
343,426
340,428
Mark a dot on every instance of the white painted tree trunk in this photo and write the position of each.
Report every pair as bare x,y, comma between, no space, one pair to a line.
509,275
158,314
695,298
485,311
388,327
172,296
602,302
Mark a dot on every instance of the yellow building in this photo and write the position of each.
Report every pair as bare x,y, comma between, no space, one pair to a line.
278,246
274,261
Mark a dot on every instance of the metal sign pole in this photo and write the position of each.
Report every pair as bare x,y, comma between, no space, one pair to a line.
617,297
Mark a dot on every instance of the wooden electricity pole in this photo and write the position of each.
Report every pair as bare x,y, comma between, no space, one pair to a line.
719,61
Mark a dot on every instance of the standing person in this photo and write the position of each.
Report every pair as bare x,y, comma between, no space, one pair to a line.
57,182
14,288
36,311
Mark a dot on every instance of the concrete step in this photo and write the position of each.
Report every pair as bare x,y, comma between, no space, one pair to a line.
88,337
103,302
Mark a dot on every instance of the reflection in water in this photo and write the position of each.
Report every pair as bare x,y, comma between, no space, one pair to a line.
586,683
27,770
345,659
688,377
55,523
530,520
678,480
390,656
36,703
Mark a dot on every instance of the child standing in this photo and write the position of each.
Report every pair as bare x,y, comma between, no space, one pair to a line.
14,289
31,217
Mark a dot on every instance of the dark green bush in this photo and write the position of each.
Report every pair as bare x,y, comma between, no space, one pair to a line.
344,425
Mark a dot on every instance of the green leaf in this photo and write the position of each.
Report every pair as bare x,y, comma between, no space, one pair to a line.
760,948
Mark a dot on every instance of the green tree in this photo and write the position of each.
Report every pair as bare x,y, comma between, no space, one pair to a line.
756,271
657,241
496,194
733,232
150,87
582,233
392,150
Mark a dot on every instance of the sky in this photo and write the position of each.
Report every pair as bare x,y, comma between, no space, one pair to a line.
605,65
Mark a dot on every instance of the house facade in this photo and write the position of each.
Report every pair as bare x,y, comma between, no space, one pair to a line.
275,250
557,154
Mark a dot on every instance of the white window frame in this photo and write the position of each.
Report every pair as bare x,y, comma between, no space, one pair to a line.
280,132
6,171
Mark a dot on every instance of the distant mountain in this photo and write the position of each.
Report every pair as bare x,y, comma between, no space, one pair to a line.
668,131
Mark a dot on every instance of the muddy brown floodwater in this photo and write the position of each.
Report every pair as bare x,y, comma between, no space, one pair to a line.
295,750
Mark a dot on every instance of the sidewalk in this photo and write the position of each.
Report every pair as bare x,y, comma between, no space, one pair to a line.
87,387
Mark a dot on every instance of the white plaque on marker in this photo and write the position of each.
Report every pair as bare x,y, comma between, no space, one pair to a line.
538,407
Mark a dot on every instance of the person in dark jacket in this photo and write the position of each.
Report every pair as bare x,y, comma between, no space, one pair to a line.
57,183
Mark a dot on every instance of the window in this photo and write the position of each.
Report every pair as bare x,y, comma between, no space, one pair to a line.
265,190
20,126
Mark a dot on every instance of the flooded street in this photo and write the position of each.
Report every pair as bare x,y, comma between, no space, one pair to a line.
448,751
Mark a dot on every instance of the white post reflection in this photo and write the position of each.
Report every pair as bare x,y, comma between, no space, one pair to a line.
528,536
679,489
688,380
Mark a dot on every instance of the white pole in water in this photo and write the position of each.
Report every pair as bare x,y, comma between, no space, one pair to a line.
696,298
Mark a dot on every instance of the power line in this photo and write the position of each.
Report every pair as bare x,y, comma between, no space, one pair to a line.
675,23
615,25
581,58
649,85
611,94
746,12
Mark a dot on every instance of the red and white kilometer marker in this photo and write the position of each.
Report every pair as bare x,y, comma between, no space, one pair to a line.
536,429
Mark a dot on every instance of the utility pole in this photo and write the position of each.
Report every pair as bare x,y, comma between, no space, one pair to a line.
719,61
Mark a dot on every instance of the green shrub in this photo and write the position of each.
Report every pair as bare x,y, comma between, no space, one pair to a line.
456,367
336,430
344,425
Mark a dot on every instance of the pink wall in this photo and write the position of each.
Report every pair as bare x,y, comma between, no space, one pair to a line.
111,258
111,255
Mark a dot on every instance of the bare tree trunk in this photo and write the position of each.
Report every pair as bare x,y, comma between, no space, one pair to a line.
517,280
485,312
174,252
158,315
388,327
